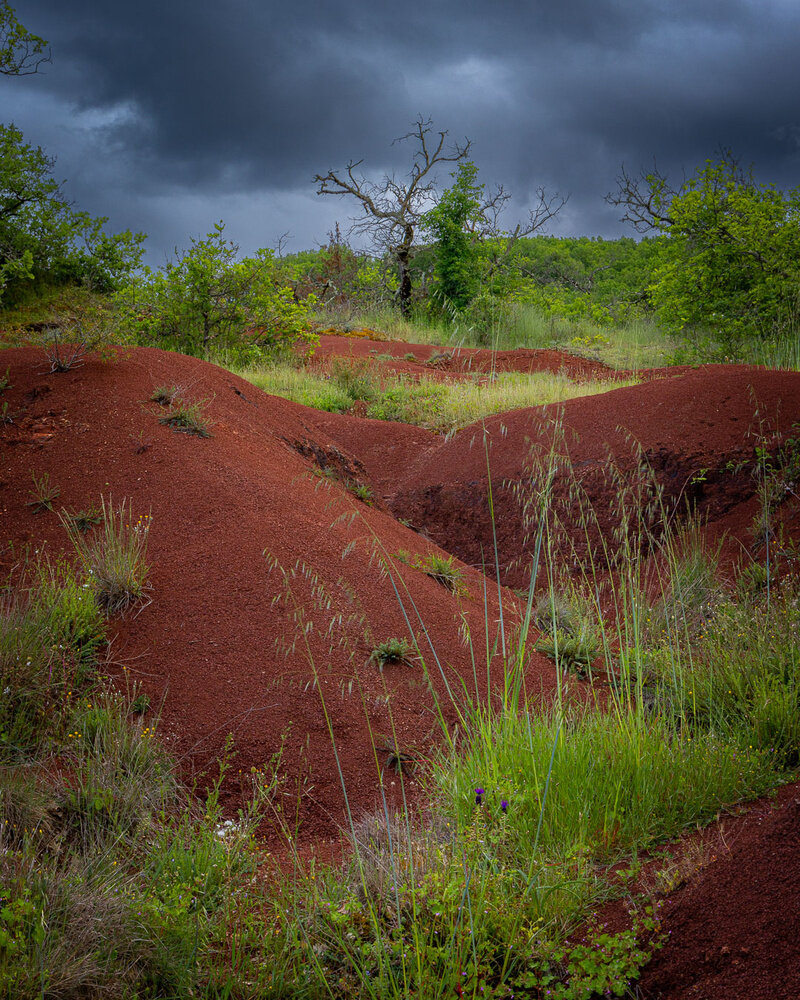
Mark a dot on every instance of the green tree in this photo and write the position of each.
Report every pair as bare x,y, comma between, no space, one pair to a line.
21,52
43,239
729,260
472,247
455,224
209,300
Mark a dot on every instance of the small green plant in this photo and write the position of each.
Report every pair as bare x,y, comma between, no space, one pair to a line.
392,651
571,652
188,418
140,704
43,493
363,493
115,557
443,570
166,395
601,965
553,612
84,520
4,381
326,472
410,356
439,358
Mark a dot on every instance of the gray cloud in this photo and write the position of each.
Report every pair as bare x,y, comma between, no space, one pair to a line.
169,116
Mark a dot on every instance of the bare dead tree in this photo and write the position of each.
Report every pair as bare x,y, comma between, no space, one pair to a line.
489,228
392,207
645,199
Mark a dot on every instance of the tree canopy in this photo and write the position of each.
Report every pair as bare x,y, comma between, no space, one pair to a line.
43,239
729,260
21,51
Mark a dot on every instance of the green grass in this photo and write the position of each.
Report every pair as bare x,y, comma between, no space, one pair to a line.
43,493
440,406
187,417
391,652
113,555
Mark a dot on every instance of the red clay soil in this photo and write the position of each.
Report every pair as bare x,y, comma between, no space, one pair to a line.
456,363
230,649
698,433
731,929
230,644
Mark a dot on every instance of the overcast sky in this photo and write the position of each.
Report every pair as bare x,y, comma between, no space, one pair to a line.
168,116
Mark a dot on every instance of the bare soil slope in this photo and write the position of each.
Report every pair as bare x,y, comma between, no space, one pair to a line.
230,650
732,930
222,642
698,433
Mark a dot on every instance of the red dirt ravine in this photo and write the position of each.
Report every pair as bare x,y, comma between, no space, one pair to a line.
233,645
222,643
697,432
732,930
454,363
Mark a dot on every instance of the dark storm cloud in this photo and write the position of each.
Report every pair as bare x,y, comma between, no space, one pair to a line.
173,112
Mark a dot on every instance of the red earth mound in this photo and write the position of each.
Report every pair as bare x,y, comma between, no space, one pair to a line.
418,360
270,585
732,930
696,434
235,645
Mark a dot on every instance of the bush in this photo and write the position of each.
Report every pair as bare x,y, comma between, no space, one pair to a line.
210,301
43,239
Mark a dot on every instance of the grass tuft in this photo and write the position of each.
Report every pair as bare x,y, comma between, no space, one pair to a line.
391,651
115,556
43,493
188,418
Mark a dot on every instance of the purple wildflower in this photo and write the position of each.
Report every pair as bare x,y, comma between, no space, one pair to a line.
503,805
479,794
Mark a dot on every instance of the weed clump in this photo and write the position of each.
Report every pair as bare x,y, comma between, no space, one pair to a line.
43,493
188,418
392,651
114,557
443,570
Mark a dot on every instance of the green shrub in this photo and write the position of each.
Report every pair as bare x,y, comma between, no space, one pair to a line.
210,300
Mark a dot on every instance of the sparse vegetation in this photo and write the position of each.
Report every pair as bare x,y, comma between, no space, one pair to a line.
187,417
166,395
391,651
114,557
43,493
84,520
443,570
